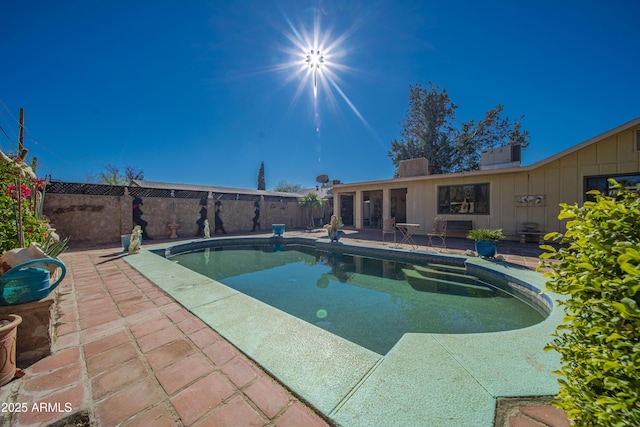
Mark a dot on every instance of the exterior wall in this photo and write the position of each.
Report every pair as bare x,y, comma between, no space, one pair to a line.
558,180
103,219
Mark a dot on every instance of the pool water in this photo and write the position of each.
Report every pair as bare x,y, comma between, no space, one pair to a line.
368,301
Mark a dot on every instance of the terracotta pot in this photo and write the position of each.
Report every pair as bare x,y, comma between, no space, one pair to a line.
8,333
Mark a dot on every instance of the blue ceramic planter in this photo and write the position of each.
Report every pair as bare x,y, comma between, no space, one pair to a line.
278,229
486,248
336,237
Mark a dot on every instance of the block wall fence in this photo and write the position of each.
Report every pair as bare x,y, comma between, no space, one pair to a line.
100,219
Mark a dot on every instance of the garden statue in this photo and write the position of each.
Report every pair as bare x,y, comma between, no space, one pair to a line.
134,241
203,217
207,230
334,228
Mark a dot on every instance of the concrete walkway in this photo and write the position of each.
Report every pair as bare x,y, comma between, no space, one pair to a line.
127,354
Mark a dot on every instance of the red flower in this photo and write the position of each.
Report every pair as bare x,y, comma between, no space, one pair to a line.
40,183
24,191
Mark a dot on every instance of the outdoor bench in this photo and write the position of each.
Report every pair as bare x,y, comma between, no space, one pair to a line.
459,226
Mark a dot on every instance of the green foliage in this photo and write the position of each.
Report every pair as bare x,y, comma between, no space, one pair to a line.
53,247
310,201
485,234
14,180
261,182
598,268
428,131
285,187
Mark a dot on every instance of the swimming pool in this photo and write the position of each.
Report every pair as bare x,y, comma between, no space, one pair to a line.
370,301
447,380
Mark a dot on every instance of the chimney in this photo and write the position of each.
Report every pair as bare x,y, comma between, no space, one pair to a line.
413,167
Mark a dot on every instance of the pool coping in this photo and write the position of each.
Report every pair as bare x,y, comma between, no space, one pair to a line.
425,379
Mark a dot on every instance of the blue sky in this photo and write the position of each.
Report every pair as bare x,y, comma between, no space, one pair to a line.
201,92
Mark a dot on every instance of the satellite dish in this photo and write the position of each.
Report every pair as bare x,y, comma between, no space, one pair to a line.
322,179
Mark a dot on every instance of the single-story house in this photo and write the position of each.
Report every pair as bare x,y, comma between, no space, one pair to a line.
502,194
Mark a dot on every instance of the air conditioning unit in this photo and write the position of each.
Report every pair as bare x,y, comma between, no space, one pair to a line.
501,157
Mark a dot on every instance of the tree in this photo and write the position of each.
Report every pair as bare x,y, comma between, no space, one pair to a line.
428,132
310,201
492,131
284,187
261,184
112,175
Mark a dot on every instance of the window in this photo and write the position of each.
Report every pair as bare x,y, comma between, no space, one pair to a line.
463,199
600,183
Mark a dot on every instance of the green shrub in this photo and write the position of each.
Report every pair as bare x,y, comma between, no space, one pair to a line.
597,267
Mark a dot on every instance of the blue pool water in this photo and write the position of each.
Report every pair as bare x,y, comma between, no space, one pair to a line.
371,302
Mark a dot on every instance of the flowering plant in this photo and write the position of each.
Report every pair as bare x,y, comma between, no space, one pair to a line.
20,222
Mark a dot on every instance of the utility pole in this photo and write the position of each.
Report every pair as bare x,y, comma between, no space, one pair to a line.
18,179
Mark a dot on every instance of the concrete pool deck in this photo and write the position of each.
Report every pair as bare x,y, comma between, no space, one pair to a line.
425,380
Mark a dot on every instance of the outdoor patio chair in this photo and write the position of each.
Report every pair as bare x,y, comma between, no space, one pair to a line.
389,227
439,230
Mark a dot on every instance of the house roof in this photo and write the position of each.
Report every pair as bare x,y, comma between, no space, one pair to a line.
515,169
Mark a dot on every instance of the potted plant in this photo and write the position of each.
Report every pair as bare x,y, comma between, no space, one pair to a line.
486,240
334,228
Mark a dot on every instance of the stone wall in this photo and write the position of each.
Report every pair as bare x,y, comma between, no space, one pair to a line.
103,219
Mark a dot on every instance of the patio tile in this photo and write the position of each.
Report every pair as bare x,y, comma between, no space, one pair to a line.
159,338
189,403
165,355
144,316
268,396
128,402
71,399
236,412
54,380
67,341
111,358
220,352
178,316
98,318
153,325
55,361
127,310
240,371
99,331
204,337
191,325
111,381
174,377
297,415
159,416
105,343
549,415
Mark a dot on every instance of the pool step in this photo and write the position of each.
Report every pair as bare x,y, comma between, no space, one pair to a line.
447,267
446,275
430,284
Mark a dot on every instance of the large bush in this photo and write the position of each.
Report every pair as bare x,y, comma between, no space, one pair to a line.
16,179
597,268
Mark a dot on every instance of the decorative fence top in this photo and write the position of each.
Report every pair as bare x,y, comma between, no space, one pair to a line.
135,191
